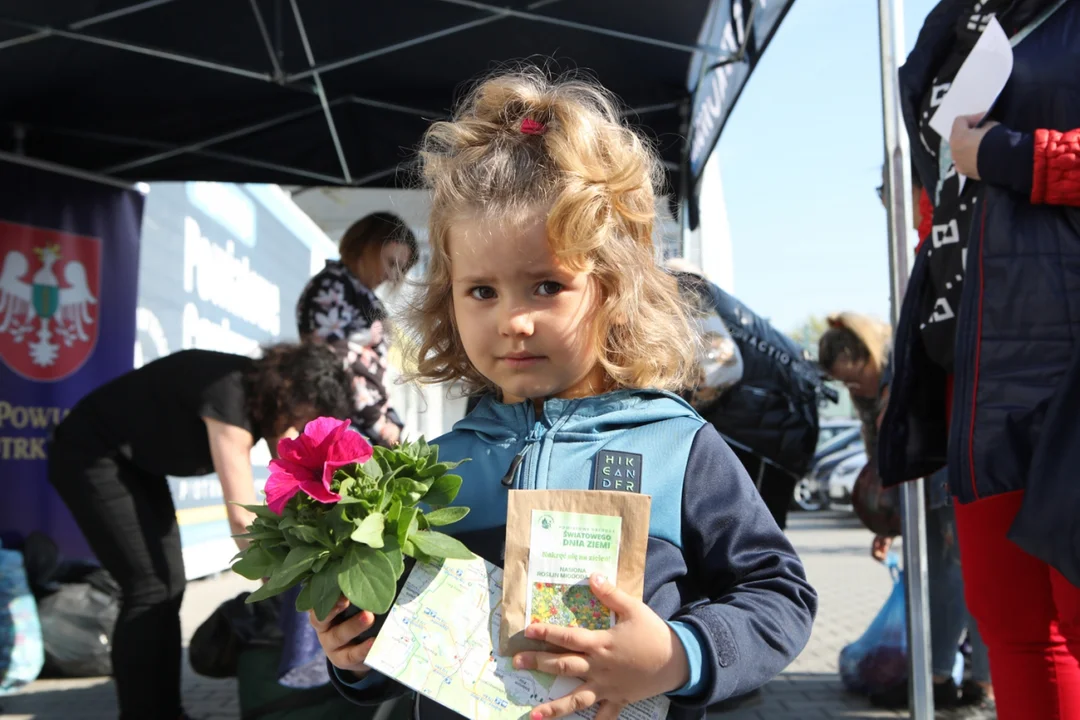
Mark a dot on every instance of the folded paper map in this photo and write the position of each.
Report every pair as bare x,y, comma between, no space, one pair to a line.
440,638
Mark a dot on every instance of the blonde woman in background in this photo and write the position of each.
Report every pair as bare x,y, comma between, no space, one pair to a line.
855,351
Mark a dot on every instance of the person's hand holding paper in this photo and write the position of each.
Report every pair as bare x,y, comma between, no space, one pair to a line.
964,140
973,92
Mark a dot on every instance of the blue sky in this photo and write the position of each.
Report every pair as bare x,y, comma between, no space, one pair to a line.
801,158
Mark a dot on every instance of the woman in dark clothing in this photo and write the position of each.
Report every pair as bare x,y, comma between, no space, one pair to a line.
339,307
986,361
191,413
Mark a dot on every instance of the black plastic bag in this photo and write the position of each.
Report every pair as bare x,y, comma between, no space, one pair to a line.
41,557
78,603
47,571
77,623
232,628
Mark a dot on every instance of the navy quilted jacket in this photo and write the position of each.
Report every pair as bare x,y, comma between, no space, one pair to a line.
1016,396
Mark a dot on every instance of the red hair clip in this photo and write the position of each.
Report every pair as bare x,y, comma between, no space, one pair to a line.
532,127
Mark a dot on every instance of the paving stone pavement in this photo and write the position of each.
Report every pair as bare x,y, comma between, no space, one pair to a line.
834,548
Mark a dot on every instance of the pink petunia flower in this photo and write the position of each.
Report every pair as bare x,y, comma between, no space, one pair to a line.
309,461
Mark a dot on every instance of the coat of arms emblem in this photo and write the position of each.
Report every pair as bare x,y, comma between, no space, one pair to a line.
49,292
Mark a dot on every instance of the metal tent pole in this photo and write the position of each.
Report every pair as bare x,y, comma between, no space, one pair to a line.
69,171
898,187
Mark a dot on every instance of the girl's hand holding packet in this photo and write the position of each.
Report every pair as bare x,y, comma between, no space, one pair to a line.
639,658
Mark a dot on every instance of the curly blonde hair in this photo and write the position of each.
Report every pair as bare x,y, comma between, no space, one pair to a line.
596,179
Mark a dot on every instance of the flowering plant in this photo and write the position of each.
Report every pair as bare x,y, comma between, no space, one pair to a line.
341,516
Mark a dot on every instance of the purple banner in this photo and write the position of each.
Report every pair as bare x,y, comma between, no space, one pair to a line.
69,262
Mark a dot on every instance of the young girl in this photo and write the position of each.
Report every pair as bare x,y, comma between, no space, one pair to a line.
543,288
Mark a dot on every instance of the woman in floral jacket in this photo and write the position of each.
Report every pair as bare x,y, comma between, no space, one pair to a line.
339,307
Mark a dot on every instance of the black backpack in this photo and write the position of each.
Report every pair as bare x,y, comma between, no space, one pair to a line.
773,410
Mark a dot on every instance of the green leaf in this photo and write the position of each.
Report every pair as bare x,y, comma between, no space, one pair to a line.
264,525
411,550
443,490
338,524
266,592
255,564
368,579
309,534
435,470
373,469
370,530
261,510
392,551
446,516
409,491
320,563
352,470
260,535
389,477
385,500
305,600
438,545
348,492
379,458
324,590
406,524
394,512
277,552
422,522
297,562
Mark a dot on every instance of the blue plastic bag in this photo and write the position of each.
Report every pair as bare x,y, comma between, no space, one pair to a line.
22,652
878,661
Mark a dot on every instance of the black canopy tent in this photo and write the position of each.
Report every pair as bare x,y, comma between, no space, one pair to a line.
742,29
308,92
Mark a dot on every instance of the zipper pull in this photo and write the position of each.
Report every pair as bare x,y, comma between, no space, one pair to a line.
508,479
532,438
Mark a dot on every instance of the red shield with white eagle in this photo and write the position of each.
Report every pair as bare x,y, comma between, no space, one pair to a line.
50,290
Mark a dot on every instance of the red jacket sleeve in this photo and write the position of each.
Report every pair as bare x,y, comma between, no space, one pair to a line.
1056,177
926,219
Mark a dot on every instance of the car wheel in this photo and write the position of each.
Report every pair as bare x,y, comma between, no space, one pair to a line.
808,495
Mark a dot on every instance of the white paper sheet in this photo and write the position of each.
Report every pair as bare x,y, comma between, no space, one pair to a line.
979,81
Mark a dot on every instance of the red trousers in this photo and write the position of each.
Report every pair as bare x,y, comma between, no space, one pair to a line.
1028,614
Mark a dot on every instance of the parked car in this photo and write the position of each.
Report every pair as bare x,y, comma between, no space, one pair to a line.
812,491
829,428
841,483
